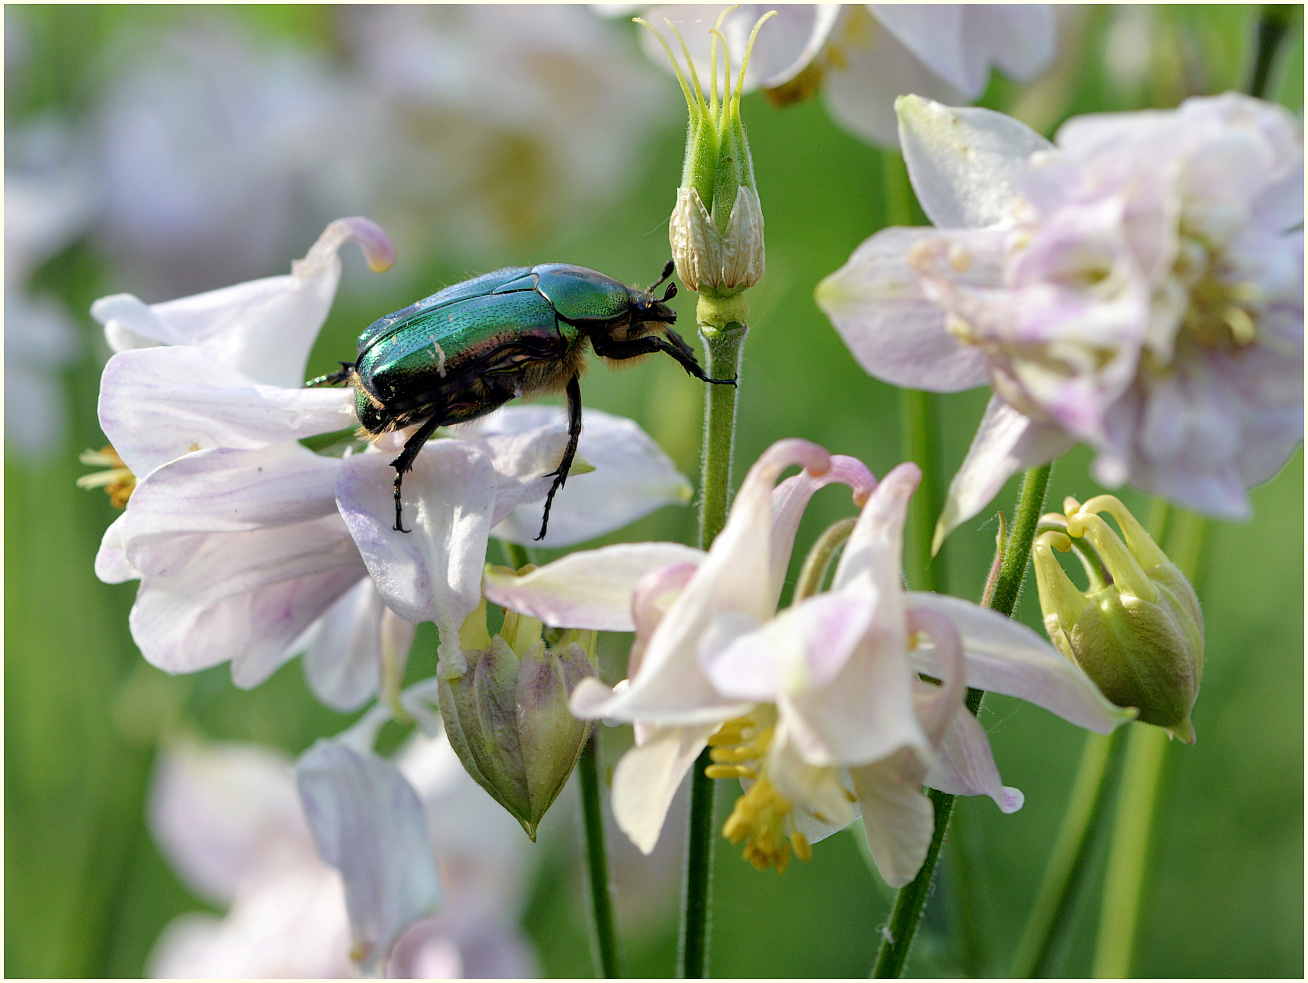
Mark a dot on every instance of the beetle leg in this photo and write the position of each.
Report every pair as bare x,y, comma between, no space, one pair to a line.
569,452
404,462
336,378
635,347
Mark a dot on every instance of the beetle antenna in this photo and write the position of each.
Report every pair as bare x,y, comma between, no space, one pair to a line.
670,292
667,272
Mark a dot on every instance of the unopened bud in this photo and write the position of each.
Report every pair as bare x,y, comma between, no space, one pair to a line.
716,229
1138,631
507,716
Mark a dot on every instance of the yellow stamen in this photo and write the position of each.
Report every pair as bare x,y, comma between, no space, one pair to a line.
118,481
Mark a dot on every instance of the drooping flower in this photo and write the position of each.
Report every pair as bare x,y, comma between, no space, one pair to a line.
817,709
1138,287
227,818
863,56
251,548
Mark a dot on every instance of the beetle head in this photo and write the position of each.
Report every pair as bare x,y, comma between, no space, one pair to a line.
651,308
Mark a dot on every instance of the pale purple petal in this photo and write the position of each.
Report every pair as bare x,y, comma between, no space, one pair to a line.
157,404
111,564
432,573
791,498
803,648
897,817
230,490
589,588
632,475
263,328
1007,657
369,824
647,777
965,164
964,765
245,597
342,663
874,69
877,305
220,811
1006,442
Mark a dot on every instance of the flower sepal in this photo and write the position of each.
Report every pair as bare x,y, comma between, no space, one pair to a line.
507,715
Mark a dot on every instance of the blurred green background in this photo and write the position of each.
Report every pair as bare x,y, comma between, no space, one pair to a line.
87,891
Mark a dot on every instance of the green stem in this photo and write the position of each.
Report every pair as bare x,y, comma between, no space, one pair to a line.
516,556
819,558
918,437
1051,916
723,349
1142,777
892,957
1273,25
608,954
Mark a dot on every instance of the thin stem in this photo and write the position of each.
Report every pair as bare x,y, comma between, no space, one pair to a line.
1273,24
1051,916
819,558
892,957
516,555
607,951
919,435
1142,777
723,349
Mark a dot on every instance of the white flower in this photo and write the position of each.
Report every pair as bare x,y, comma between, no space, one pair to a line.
251,548
863,56
818,707
1138,287
227,818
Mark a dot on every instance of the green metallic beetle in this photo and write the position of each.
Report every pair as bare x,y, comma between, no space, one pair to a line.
472,347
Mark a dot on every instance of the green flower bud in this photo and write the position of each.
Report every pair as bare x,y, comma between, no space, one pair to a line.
716,229
1138,631
507,716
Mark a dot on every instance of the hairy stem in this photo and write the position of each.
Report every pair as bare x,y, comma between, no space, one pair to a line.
724,348
897,942
608,954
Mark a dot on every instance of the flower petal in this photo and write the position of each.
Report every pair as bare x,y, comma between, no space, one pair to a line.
964,765
647,777
632,475
876,303
342,663
965,164
263,328
218,811
1006,442
897,817
734,579
157,404
1007,657
369,824
432,573
245,597
589,588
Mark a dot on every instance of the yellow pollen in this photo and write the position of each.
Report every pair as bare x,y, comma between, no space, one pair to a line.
799,843
759,819
117,480
959,258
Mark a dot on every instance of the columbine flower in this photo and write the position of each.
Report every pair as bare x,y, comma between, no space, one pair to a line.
819,708
250,547
863,56
1138,631
1138,287
226,817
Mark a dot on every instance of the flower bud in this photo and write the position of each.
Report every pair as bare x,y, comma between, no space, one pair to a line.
1138,631
507,716
716,229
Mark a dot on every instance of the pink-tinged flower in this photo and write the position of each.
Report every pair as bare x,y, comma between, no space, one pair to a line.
1137,286
251,548
227,818
818,709
864,55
